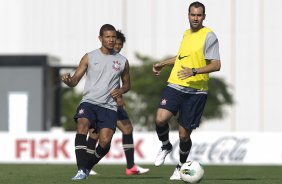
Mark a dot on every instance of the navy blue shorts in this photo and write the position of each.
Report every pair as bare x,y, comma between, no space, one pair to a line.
99,117
122,114
189,106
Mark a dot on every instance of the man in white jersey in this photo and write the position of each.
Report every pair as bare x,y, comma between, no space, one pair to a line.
104,68
187,89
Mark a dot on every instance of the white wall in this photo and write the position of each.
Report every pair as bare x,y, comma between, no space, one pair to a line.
248,31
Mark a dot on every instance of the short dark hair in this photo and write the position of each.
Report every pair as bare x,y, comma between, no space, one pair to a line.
197,4
106,27
121,36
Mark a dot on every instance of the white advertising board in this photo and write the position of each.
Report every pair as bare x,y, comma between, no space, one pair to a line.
208,148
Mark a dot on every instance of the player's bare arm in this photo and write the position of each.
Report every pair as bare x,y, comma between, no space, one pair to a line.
125,78
157,67
212,66
72,81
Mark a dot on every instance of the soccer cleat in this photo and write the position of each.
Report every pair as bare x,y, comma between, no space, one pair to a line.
176,174
80,175
92,172
136,170
164,151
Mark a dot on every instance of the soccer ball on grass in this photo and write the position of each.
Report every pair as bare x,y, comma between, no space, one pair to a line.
191,172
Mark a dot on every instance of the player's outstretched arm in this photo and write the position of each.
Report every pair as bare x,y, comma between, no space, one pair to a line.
72,81
157,67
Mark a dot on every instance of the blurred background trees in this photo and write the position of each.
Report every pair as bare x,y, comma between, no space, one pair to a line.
143,98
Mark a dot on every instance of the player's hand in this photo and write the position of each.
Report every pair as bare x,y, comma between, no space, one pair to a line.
157,68
120,101
66,78
93,133
117,92
184,73
117,95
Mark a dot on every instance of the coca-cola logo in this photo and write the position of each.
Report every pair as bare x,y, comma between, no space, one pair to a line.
223,150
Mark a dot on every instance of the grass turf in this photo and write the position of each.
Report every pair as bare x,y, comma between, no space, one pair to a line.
115,174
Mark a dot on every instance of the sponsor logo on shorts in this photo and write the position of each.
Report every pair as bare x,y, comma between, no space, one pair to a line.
81,111
164,101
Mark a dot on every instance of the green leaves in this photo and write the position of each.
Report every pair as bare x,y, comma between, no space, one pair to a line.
218,98
70,101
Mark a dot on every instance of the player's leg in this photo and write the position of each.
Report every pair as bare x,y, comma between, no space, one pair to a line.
168,107
105,137
106,125
91,145
185,145
162,129
126,128
82,127
189,118
83,118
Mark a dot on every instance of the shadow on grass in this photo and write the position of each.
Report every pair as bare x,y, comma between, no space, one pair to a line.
232,179
129,177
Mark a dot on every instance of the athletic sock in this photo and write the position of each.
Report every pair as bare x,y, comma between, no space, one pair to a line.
91,146
99,153
163,135
80,150
184,150
178,166
128,147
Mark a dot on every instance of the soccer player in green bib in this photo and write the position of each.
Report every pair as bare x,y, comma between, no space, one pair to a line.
187,89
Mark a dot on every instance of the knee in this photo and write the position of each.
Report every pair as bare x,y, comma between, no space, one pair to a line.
160,121
184,137
104,143
82,127
127,129
162,117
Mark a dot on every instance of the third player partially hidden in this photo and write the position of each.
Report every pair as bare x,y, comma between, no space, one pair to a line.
187,89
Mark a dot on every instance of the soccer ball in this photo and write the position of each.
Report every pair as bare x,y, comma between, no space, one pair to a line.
191,172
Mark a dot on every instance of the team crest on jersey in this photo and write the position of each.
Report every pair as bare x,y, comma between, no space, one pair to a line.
116,65
81,111
164,101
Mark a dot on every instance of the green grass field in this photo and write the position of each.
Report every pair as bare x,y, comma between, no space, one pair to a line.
114,174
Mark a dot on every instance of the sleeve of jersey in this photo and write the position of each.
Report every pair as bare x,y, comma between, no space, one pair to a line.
211,48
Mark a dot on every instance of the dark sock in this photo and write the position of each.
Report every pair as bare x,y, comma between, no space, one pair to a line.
163,135
178,166
97,156
80,150
128,147
91,146
184,151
